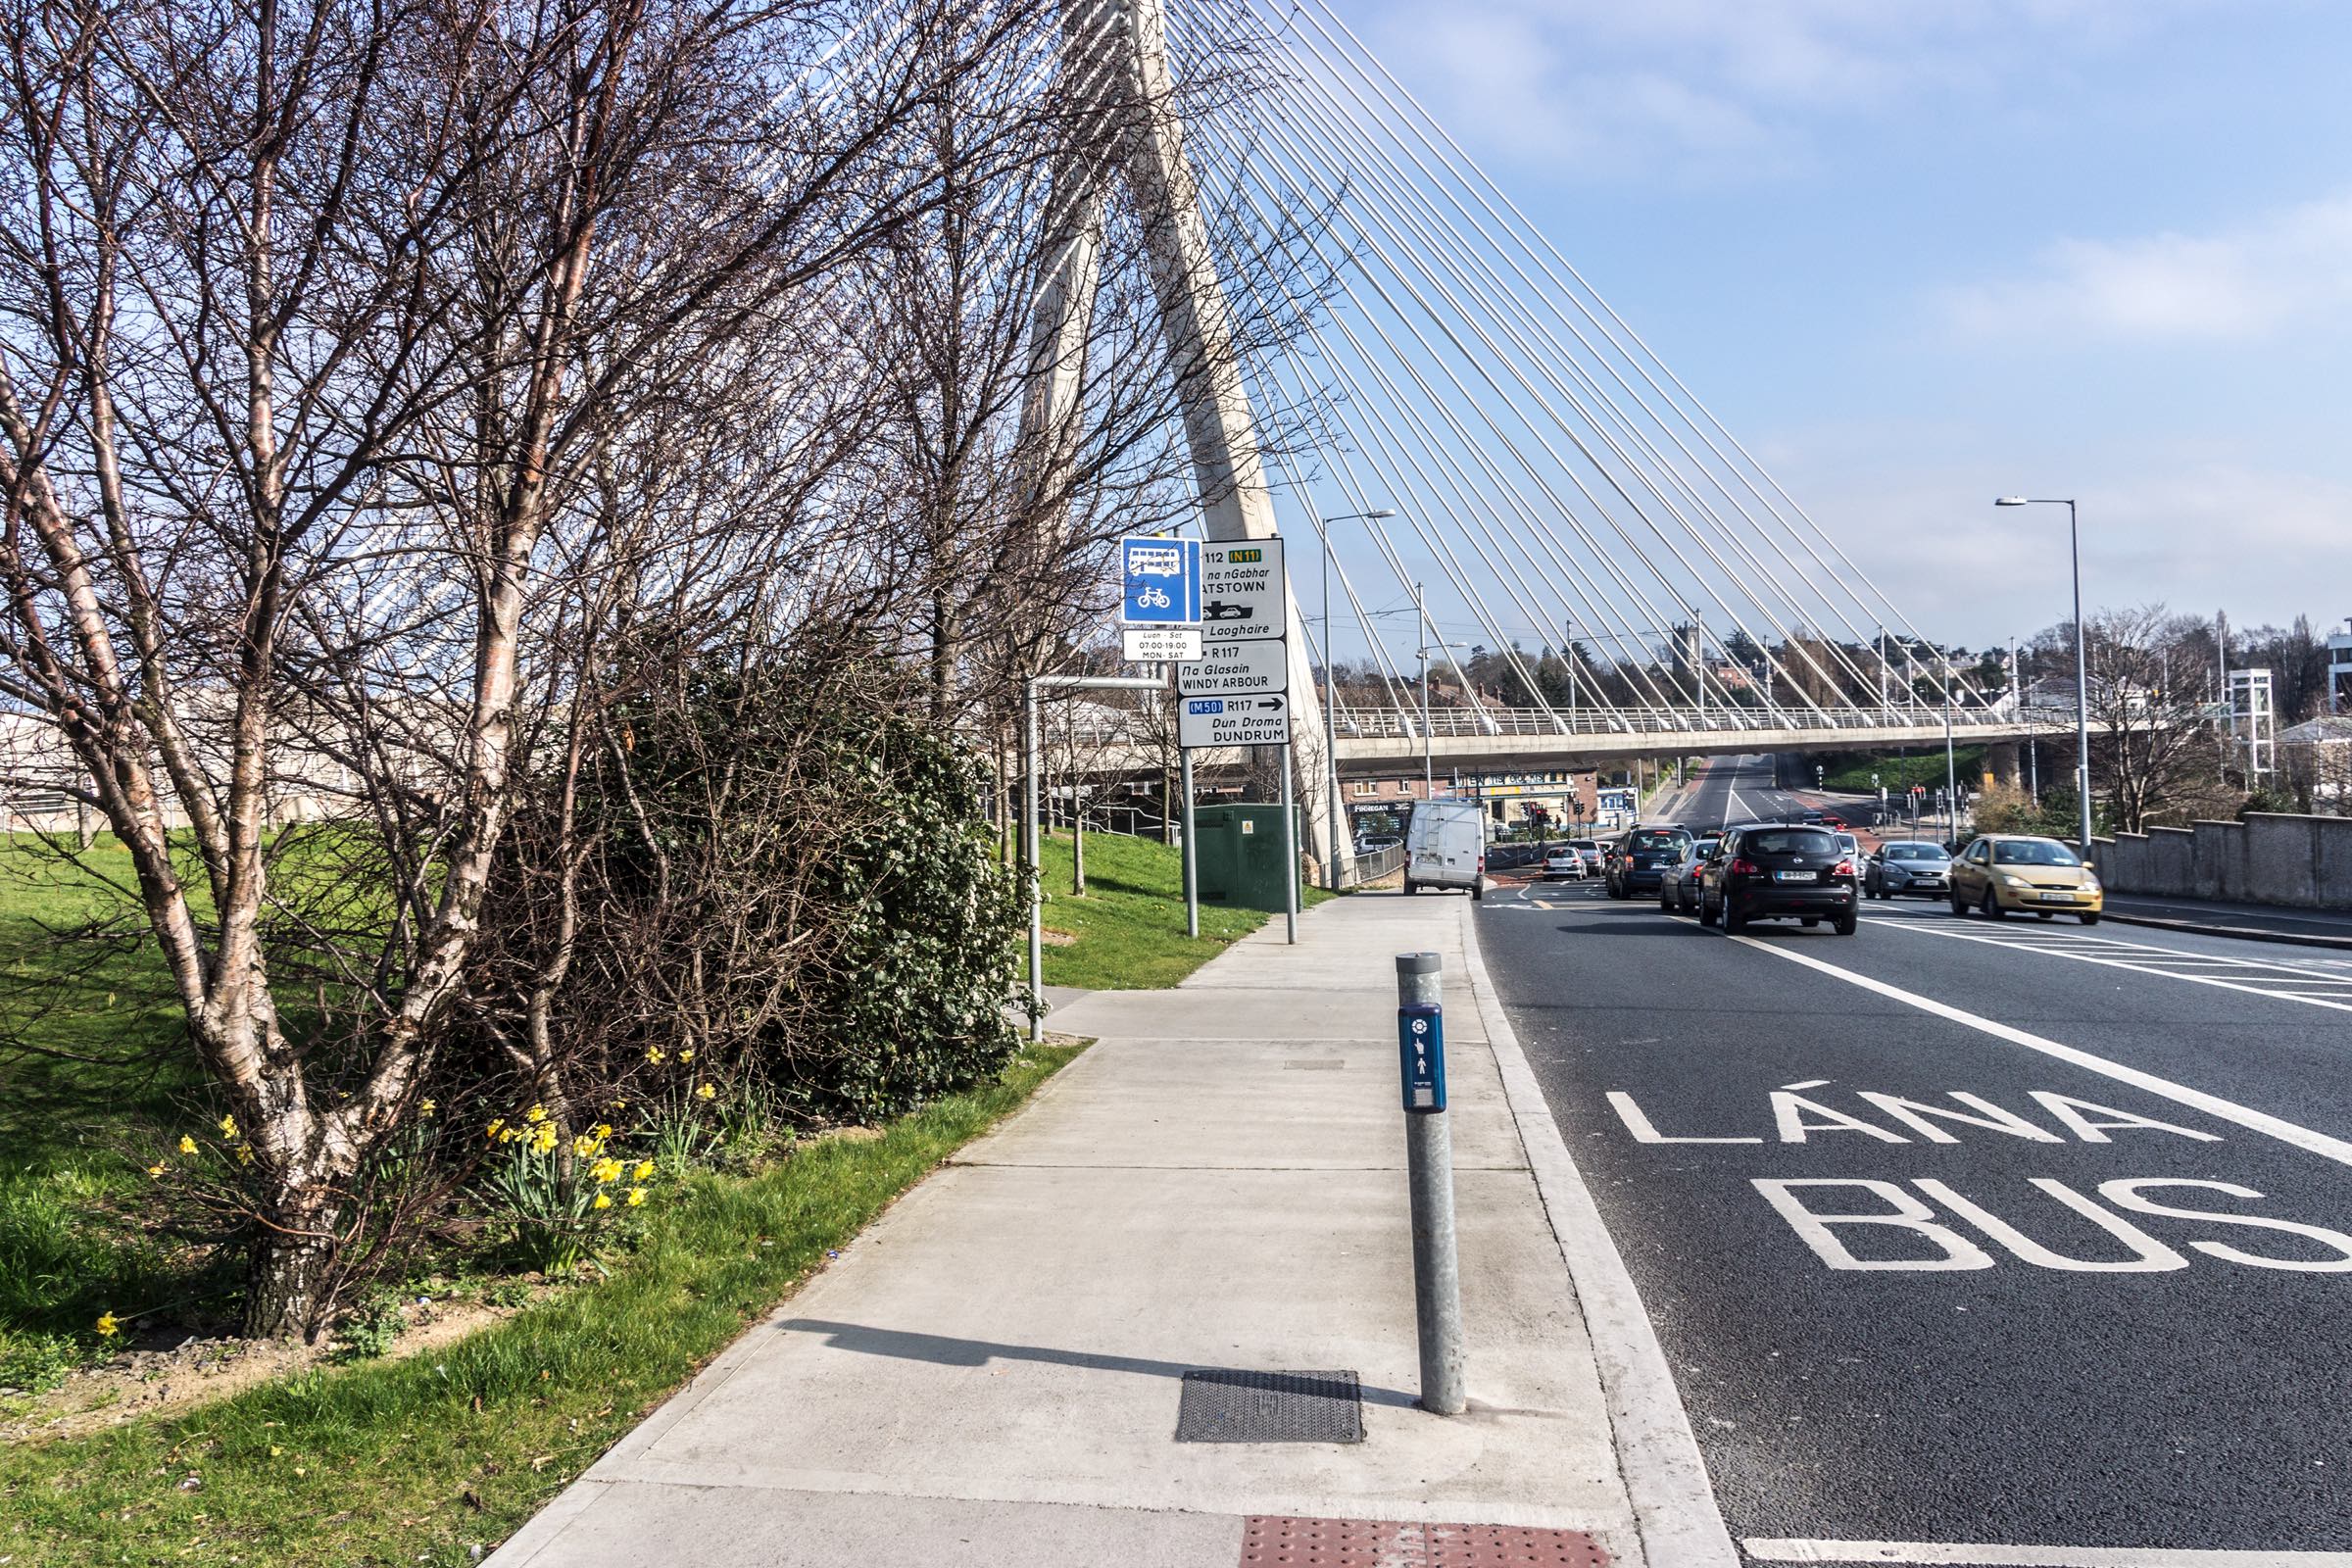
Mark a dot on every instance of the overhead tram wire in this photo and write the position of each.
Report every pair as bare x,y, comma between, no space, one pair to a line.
1302,160
1449,324
1539,249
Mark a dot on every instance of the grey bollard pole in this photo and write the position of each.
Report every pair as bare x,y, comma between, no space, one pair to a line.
1290,855
1192,869
1031,863
1429,1174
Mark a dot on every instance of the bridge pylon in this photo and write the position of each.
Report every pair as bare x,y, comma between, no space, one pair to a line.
1114,52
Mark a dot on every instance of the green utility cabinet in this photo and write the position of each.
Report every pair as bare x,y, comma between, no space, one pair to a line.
1237,854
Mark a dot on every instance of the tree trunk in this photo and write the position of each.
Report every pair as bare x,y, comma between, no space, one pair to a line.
288,1278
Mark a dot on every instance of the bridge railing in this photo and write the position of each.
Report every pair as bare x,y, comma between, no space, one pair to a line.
1364,869
1455,723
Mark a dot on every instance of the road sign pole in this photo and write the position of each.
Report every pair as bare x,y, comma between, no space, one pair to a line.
1030,864
1429,1175
1290,855
1191,875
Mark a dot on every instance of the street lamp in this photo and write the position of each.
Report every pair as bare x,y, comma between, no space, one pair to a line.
1330,733
1428,647
2074,544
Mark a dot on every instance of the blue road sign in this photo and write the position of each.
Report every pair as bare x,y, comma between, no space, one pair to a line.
1159,582
1421,1056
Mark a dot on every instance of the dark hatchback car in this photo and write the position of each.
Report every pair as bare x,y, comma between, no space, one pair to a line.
1779,871
1640,861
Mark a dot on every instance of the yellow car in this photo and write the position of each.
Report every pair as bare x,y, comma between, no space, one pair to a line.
2041,877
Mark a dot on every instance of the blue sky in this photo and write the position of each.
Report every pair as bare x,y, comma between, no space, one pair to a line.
1917,253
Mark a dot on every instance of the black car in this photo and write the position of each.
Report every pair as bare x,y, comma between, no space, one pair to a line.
1640,861
1779,871
1909,867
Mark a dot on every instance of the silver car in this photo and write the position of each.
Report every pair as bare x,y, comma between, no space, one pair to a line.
1909,865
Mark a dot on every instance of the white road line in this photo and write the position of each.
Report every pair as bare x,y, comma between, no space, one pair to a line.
1766,1549
1665,1475
2287,1132
2138,965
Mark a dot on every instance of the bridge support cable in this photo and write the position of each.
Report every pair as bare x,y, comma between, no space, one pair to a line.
1274,135
1451,322
1405,195
1373,366
1462,491
1402,198
1530,240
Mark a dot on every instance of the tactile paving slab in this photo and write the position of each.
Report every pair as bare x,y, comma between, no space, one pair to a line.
1222,1405
1278,1541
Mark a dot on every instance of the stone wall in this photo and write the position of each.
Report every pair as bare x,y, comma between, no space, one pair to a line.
2298,861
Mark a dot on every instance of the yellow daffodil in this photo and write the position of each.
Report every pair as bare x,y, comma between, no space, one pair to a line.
535,1115
606,1170
636,1196
685,1056
108,1328
604,1199
706,1092
427,1109
496,1128
582,1146
652,1053
604,1130
156,1170
244,1155
228,1126
543,1142
645,1168
188,1145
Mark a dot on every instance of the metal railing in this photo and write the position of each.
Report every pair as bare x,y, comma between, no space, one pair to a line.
1364,869
1601,723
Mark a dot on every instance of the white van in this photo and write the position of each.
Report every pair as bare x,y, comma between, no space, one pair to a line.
1446,847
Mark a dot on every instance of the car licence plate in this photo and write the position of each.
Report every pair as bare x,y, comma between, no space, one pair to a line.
2057,897
1793,876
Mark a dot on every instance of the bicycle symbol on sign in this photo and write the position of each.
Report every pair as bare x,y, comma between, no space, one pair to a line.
1153,598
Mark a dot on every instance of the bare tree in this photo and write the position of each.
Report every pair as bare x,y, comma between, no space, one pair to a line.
327,335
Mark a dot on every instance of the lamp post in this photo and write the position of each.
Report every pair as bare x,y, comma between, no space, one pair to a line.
2073,545
1331,731
1428,647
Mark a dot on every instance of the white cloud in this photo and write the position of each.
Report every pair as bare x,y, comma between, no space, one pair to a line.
2291,267
1716,89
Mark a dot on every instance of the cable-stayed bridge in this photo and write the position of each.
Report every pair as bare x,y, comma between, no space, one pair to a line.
1465,445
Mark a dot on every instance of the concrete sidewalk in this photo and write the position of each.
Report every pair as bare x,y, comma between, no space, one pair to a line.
990,1375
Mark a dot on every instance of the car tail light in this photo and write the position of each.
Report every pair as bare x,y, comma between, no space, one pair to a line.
1842,868
1747,867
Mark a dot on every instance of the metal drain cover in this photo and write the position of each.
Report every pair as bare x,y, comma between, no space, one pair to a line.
1280,1542
1220,1405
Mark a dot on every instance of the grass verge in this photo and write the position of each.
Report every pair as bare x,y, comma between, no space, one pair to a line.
1900,773
432,1459
1128,929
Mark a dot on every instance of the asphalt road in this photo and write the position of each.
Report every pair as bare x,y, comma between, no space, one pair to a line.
2012,1345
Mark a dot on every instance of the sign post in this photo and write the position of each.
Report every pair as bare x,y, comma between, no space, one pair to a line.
1236,692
